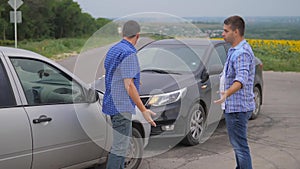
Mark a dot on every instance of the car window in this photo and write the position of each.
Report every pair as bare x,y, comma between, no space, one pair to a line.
44,84
222,53
7,98
214,58
176,58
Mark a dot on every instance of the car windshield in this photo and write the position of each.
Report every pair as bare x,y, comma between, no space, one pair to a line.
171,58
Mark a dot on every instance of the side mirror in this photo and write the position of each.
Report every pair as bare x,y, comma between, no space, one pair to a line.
92,96
204,76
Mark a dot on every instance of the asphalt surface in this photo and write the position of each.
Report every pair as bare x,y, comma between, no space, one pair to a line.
89,65
274,136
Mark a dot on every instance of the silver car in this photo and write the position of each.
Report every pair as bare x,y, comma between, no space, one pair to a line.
50,119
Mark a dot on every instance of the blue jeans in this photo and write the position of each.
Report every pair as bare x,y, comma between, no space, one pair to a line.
122,128
237,124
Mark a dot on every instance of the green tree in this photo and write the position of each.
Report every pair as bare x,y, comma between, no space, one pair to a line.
4,19
36,20
100,22
43,19
67,18
86,25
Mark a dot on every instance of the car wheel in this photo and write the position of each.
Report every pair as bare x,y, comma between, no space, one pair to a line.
257,99
135,150
196,125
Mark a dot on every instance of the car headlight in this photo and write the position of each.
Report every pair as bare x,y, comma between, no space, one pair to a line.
166,98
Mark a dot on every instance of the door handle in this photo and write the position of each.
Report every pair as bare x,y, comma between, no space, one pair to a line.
42,119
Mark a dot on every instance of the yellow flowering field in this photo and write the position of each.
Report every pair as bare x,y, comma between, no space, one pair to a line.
292,45
277,55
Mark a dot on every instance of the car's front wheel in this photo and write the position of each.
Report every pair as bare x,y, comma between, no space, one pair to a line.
135,150
196,125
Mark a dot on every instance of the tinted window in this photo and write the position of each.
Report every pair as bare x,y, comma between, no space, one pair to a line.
222,53
7,97
44,84
176,58
214,58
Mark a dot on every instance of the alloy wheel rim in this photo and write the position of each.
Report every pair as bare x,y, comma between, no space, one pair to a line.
132,151
196,125
257,102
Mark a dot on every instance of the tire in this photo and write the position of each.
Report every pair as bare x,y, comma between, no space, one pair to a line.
196,125
135,150
257,98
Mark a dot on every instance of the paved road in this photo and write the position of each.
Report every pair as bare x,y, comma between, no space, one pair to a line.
274,136
88,66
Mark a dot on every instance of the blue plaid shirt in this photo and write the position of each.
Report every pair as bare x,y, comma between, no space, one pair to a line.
240,66
121,62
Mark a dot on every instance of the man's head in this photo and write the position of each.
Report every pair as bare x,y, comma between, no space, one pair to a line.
130,29
234,29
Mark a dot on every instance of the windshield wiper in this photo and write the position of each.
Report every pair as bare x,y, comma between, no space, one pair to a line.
160,71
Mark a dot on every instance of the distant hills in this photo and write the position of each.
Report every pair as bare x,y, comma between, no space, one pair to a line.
281,27
257,19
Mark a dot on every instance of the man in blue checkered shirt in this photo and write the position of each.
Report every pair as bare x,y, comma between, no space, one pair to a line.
122,79
238,75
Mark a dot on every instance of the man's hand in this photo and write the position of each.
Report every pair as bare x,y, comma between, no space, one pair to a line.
222,99
134,95
147,115
233,88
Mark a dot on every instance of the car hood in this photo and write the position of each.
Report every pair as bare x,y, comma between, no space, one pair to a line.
155,83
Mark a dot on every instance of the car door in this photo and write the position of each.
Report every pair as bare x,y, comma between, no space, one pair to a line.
66,129
15,132
215,67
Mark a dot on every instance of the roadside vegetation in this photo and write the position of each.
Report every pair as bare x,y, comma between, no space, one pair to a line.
58,49
55,49
277,55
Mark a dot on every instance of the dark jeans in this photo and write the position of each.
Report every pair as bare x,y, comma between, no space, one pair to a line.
237,124
122,128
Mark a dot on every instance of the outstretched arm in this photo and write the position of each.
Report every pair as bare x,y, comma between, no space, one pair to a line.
233,88
134,95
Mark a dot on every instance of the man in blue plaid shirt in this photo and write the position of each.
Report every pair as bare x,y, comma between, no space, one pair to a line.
122,79
238,96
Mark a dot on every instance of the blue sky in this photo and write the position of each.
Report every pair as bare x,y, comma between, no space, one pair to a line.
191,8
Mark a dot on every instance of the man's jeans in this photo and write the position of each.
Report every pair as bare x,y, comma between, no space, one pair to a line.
122,125
237,124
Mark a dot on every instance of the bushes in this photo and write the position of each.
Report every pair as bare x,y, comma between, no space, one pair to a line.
55,48
7,42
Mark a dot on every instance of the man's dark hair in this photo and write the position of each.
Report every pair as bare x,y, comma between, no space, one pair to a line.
236,22
131,28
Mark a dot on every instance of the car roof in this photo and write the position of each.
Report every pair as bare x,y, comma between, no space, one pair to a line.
16,52
188,41
10,51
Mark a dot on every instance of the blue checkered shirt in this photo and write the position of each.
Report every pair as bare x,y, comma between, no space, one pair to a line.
120,63
240,66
